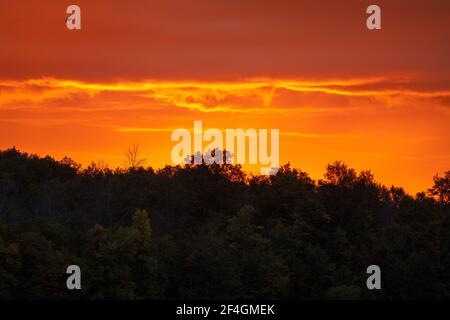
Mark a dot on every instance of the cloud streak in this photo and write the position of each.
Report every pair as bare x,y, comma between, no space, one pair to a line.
254,96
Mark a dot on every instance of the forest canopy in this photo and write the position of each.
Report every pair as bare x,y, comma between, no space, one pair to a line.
214,232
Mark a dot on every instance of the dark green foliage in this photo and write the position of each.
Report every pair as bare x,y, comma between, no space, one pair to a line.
211,232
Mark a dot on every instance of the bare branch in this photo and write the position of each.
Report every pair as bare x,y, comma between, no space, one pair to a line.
133,156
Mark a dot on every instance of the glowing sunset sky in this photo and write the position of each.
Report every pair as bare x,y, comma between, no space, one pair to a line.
376,100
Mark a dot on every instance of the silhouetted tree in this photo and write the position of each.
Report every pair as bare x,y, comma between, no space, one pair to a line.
134,158
441,188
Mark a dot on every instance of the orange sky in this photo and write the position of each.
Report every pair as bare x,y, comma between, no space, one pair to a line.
376,100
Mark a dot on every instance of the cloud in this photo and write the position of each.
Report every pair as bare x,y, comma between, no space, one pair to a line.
254,96
222,40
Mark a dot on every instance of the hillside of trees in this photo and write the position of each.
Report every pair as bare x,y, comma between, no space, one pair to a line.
213,232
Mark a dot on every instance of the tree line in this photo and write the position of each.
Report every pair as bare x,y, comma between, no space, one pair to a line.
214,232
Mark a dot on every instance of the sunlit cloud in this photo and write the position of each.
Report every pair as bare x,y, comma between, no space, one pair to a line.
252,96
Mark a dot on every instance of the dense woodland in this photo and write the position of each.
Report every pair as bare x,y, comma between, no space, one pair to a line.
213,232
